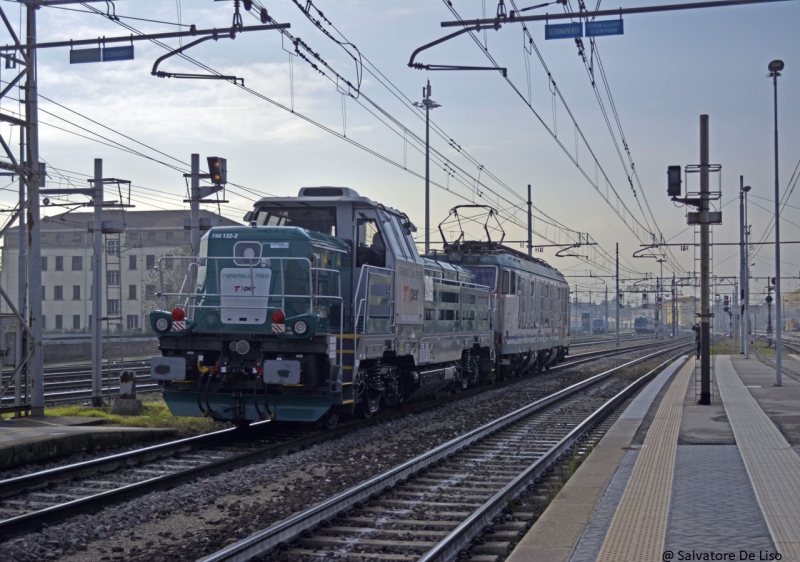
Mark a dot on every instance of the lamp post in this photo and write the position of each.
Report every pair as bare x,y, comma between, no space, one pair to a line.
428,104
775,68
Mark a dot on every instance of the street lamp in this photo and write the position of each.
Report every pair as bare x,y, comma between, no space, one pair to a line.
775,68
428,104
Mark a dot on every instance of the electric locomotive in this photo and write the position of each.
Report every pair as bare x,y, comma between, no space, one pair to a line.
320,306
531,298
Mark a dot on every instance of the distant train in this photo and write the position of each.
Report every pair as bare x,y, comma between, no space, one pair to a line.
322,306
643,325
599,326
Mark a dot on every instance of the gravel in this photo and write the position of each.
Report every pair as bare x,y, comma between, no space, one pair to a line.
204,515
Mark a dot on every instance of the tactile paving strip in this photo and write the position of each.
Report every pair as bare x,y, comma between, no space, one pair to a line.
640,522
772,465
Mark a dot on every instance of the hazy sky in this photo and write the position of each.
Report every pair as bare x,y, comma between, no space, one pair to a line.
663,73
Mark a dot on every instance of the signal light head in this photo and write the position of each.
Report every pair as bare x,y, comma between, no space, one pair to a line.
218,170
178,314
278,317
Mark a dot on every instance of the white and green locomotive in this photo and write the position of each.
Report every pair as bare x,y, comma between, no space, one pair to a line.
322,305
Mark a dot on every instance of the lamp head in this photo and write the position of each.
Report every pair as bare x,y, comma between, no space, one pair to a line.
746,188
775,66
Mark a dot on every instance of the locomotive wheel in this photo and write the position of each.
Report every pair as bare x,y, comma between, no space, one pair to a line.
330,419
370,400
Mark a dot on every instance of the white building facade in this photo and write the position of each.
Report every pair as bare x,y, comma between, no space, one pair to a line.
130,280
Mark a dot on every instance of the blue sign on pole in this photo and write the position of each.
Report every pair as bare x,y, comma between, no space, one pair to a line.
118,53
78,56
563,31
606,27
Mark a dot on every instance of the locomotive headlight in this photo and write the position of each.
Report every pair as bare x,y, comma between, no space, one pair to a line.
162,324
300,327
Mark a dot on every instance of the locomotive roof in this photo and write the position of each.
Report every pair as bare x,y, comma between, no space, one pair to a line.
492,253
326,195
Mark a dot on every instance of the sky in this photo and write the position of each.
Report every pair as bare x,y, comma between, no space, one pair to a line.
348,120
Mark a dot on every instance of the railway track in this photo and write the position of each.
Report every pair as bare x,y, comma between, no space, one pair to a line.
71,383
432,507
52,495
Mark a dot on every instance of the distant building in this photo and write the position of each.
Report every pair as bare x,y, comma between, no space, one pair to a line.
129,279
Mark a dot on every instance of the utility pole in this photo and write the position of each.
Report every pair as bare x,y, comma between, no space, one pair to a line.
606,320
618,294
674,309
22,289
97,286
428,104
36,365
705,313
530,223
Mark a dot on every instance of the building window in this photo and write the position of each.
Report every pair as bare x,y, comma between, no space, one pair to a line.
150,261
58,293
76,321
170,236
77,263
112,247
113,306
133,321
132,292
44,263
59,263
59,322
76,292
133,238
59,238
77,238
151,237
149,291
132,262
112,277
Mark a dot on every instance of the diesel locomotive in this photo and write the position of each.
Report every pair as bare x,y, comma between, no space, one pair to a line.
321,305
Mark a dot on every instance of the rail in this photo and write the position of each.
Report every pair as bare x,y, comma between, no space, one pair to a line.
287,530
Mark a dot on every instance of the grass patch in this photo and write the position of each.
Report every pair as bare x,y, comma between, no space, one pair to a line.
155,414
724,347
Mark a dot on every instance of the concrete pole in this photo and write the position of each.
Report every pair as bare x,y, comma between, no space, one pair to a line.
97,287
742,258
195,205
34,264
22,286
705,312
746,293
617,278
530,224
428,173
778,321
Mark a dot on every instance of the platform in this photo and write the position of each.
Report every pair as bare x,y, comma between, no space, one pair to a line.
672,480
24,440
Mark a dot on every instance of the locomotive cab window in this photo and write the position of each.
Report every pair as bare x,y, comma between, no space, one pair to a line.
311,218
509,283
371,248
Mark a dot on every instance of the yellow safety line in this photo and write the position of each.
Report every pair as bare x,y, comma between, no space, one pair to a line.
773,467
640,523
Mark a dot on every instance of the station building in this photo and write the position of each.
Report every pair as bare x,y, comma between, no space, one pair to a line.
129,261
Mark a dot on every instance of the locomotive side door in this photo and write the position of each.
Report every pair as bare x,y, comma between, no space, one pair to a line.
374,282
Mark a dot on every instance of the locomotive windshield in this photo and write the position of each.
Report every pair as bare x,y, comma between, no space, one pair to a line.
484,275
311,218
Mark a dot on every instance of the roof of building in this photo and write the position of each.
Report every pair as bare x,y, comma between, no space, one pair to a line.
133,219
